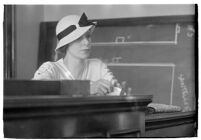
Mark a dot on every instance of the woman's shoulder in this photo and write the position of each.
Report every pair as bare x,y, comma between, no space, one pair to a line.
46,66
95,62
45,71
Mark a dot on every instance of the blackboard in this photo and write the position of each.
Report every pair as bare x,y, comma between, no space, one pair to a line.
155,55
137,33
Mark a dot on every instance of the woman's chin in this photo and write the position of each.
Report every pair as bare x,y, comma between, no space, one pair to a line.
84,56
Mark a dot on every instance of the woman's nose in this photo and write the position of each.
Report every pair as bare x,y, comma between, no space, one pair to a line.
86,41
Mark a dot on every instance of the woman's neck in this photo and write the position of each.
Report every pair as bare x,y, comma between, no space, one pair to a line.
74,65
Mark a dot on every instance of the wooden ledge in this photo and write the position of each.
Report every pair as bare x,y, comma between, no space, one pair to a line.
23,106
162,120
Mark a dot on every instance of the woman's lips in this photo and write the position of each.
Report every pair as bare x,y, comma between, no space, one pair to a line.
86,50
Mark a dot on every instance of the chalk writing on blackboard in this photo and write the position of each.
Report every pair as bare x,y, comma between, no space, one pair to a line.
120,39
190,31
177,31
185,93
141,34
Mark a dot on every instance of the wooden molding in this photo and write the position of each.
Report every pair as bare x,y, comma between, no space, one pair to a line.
144,20
163,120
27,106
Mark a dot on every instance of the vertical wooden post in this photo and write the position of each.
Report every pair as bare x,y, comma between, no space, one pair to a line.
142,124
9,41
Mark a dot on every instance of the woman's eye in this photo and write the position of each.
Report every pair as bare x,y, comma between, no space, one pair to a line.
80,38
88,36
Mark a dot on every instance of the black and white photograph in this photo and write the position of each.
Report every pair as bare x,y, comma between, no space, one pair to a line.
100,71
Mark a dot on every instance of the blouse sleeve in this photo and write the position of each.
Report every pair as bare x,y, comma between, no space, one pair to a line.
107,74
45,72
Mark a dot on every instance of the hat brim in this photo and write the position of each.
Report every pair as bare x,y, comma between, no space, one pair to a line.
73,36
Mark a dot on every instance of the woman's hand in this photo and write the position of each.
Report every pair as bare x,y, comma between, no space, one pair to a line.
101,87
125,89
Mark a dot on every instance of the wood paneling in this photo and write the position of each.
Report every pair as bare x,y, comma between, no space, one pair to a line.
64,117
180,124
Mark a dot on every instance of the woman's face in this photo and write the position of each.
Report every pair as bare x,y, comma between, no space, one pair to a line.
81,47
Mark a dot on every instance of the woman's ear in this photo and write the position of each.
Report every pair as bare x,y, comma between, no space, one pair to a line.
58,55
61,52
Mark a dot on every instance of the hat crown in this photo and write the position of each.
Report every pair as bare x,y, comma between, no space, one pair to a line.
67,21
70,28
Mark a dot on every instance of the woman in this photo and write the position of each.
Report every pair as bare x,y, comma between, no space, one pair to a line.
74,44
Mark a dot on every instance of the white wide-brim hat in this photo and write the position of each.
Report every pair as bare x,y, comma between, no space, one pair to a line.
71,28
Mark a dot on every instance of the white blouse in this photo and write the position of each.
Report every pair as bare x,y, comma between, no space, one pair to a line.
94,70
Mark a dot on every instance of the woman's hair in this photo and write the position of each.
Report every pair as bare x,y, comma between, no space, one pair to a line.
61,52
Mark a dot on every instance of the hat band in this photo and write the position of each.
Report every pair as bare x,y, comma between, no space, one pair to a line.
82,23
66,32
